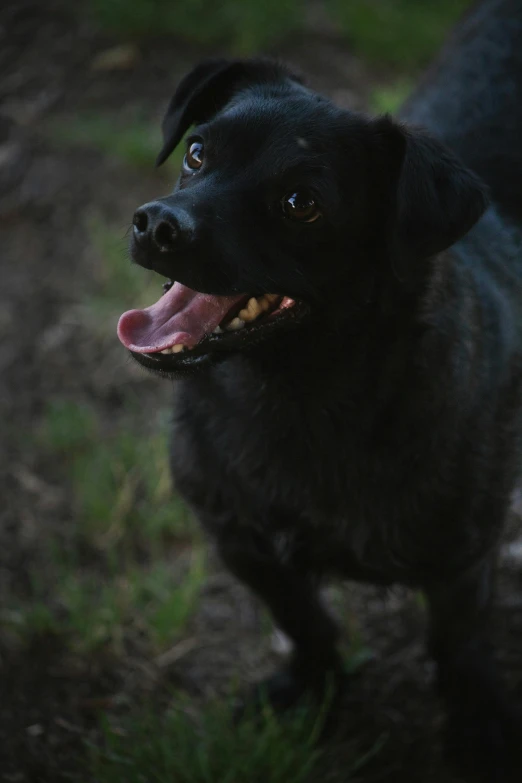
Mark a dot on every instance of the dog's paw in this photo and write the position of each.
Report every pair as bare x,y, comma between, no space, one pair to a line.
485,743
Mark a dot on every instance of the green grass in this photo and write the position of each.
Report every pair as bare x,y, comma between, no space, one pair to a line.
128,565
144,551
151,602
116,278
66,426
118,284
180,748
93,612
170,606
134,141
187,745
29,620
402,33
244,26
387,99
119,478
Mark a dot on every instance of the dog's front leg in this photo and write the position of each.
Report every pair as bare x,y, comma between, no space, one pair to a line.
292,596
482,727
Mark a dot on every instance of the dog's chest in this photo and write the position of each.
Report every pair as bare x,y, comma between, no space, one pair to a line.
292,452
301,473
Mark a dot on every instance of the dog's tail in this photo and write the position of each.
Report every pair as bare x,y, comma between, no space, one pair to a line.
472,98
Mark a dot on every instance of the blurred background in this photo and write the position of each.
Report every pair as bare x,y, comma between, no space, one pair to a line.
122,641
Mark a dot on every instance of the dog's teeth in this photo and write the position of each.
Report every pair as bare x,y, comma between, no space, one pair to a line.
234,325
251,311
264,303
252,305
177,348
165,350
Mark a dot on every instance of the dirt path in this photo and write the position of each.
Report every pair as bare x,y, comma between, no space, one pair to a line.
50,192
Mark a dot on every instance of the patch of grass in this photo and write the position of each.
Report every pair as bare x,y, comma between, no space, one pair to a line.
402,33
66,426
150,566
245,26
135,141
387,99
119,284
185,745
119,479
32,620
151,602
399,32
210,748
93,612
128,567
116,278
170,606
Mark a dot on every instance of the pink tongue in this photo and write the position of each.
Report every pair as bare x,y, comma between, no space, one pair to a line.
180,316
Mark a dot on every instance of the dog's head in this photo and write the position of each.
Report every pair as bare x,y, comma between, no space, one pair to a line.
288,211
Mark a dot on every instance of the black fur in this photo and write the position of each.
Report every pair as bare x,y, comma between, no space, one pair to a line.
380,439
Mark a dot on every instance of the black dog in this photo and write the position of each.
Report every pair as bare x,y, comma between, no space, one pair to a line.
347,333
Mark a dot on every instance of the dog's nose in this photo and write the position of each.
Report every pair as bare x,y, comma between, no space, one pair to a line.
159,226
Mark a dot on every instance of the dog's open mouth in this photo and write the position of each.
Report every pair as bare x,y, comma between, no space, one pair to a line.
185,326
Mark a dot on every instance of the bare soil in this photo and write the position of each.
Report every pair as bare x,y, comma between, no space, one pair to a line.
49,696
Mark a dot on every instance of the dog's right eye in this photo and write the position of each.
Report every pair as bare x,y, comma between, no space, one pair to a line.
300,206
194,158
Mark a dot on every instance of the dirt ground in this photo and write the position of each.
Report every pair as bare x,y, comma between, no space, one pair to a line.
49,696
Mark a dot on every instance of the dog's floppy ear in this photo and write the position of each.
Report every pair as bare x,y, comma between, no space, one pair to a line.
207,88
434,198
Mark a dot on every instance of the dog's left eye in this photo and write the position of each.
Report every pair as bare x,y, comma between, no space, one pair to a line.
301,206
194,157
